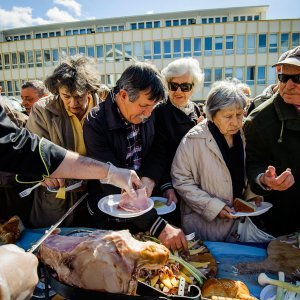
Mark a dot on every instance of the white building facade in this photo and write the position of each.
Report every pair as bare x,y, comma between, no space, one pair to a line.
233,42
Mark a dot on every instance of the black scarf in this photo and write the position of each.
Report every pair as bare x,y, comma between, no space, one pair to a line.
233,157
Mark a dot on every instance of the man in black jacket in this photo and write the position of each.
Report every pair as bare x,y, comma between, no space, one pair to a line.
121,131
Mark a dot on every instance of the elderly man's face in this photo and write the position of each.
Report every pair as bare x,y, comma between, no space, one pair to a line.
290,91
29,96
76,104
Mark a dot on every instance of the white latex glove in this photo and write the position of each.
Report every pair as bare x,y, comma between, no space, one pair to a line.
149,184
123,178
18,273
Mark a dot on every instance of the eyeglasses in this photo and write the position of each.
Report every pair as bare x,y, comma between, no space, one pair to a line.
185,87
285,78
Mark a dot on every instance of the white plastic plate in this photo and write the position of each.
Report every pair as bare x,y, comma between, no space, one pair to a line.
264,207
163,209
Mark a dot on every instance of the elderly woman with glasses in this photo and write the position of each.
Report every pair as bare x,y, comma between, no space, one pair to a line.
208,170
172,121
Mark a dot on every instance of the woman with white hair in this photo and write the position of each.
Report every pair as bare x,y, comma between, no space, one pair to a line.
208,170
172,121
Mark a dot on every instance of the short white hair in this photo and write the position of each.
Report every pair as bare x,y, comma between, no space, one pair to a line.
183,66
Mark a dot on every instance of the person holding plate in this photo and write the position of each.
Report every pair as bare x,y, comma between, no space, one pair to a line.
208,170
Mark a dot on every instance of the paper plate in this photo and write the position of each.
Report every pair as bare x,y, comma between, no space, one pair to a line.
109,205
161,206
74,185
264,207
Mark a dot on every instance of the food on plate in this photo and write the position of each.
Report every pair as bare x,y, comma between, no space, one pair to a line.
243,206
11,230
134,205
225,288
158,204
102,260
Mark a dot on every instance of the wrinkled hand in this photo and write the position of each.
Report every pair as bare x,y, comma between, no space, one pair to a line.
18,273
279,183
123,178
53,182
171,196
225,213
149,184
173,238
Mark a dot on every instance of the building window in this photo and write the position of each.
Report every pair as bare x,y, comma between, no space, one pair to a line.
68,32
81,50
137,50
204,20
14,60
22,60
210,20
6,61
75,31
133,26
224,19
176,48
250,75
9,88
175,22
218,45
207,77
197,46
47,59
261,75
157,49
239,73
109,54
156,24
106,28
271,75
99,53
148,24
147,50
208,46
240,44
284,42
191,21
128,51
72,51
100,29
183,22
17,87
90,30
114,28
229,44
38,35
22,37
262,43
168,23
249,18
91,51
228,73
38,58
295,39
273,46
28,36
3,88
243,18
30,61
121,27
63,51
82,31
218,20
119,52
251,43
51,34
167,49
256,18
58,33
141,25
218,74
187,47
45,35
0,64
55,56
235,19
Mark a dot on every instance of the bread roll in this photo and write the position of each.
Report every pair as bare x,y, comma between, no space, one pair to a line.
225,288
243,206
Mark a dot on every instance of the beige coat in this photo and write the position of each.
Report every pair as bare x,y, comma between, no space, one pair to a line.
203,181
49,119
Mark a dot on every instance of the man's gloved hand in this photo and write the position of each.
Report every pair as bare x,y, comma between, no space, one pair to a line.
149,184
123,178
18,273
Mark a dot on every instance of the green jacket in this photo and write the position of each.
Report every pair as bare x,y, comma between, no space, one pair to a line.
272,134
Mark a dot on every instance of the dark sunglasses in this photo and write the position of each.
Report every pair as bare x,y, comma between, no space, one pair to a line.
285,78
185,87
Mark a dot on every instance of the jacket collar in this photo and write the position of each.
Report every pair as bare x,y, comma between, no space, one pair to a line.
284,110
180,116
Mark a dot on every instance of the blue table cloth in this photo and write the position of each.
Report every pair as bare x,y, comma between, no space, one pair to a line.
228,255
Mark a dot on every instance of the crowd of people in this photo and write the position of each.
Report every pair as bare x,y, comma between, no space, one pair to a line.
147,132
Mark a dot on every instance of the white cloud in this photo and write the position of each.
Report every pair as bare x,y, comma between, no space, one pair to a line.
71,5
150,12
57,16
19,17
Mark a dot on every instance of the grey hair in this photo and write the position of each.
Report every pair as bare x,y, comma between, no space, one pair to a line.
142,76
183,66
37,85
78,73
224,94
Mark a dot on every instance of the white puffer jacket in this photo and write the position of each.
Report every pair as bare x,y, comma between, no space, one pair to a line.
203,181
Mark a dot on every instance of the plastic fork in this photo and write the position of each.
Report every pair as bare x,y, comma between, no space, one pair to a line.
29,190
190,236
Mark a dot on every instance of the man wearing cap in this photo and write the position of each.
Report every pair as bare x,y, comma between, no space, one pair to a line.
273,141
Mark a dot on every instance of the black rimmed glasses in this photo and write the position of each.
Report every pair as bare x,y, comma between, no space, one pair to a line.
284,78
185,87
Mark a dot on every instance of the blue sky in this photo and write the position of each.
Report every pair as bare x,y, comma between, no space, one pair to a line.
20,13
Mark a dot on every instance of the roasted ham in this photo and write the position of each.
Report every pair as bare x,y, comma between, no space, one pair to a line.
102,260
134,205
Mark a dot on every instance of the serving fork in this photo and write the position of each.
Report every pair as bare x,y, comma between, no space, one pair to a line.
29,190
